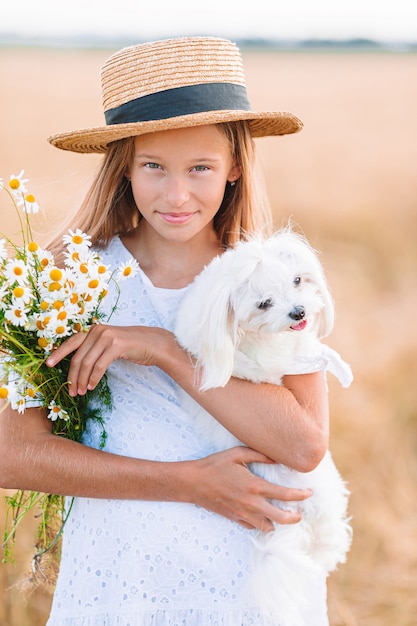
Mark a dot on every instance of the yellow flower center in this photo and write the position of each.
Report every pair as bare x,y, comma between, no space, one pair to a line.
93,284
42,342
14,183
44,305
4,392
74,298
77,327
56,409
18,313
127,271
60,330
44,262
84,268
62,315
17,271
30,392
102,269
77,239
75,256
32,247
55,286
18,292
58,304
55,274
30,198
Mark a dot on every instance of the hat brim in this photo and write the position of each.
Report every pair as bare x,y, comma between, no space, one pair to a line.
96,140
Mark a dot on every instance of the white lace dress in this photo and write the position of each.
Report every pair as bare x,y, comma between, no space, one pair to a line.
135,563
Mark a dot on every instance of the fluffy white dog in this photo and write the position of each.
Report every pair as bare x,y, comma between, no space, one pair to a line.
258,312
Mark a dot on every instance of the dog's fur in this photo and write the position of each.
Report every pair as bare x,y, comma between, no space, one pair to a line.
244,315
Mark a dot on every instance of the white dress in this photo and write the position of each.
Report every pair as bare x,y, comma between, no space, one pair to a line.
136,563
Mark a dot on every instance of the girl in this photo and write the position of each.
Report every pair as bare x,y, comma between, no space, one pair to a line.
161,528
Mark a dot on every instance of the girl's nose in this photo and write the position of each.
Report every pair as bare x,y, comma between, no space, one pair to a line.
177,192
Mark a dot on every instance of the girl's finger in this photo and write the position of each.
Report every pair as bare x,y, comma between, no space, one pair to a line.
69,345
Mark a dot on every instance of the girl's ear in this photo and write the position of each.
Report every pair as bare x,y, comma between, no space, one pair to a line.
234,174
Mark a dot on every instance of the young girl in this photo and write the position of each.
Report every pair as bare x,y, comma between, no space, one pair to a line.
162,524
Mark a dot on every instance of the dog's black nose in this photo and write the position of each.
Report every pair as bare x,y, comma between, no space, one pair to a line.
298,313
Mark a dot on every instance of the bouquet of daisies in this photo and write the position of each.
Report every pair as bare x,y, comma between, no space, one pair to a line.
41,304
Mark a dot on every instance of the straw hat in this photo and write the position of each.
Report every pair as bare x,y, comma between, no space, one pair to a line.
173,83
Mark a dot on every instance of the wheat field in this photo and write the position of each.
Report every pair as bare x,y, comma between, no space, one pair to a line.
349,179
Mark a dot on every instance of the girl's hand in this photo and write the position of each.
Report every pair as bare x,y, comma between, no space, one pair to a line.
225,485
96,350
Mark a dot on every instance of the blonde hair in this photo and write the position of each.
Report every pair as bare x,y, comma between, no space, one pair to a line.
109,208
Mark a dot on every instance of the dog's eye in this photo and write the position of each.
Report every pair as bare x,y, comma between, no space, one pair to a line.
297,280
265,304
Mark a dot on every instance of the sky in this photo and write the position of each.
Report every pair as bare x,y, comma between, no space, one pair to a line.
384,20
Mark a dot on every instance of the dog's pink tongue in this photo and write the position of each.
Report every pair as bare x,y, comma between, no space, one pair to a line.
300,326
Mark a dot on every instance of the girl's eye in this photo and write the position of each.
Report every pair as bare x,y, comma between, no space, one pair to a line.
297,280
200,168
152,166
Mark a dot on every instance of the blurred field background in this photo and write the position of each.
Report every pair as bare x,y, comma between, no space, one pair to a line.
349,179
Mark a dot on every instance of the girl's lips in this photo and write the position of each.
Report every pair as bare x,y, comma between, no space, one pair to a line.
299,326
176,218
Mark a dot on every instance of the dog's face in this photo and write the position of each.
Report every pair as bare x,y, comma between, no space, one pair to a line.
268,286
285,291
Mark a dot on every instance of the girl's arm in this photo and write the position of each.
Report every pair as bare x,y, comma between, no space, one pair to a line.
33,458
289,423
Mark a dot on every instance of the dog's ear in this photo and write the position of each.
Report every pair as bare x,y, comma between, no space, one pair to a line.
218,337
325,318
205,323
310,259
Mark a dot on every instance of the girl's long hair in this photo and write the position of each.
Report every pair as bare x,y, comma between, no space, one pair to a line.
109,208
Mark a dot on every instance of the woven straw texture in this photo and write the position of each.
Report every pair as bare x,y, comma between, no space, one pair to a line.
141,70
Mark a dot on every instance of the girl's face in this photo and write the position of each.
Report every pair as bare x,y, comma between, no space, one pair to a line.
178,179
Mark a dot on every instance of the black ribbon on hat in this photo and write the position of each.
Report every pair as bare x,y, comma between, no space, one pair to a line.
180,101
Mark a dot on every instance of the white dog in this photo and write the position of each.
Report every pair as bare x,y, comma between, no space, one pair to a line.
258,312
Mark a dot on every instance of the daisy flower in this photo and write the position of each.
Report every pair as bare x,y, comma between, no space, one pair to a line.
76,240
19,405
17,184
17,315
22,294
9,390
45,258
53,282
28,203
31,251
127,270
76,256
58,324
16,271
56,412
